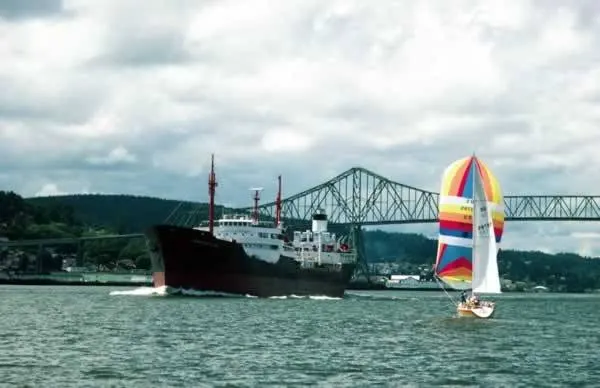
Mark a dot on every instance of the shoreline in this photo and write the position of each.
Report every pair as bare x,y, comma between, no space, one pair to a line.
32,280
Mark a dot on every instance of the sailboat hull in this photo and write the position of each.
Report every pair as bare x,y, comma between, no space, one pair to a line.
482,312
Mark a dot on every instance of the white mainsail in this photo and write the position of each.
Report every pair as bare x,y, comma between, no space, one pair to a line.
486,279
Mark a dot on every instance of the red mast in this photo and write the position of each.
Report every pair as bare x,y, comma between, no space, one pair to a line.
212,184
278,204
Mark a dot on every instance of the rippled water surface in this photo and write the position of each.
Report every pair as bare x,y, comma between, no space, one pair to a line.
86,336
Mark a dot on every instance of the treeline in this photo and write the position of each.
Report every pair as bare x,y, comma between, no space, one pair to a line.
127,213
22,219
559,272
121,213
77,215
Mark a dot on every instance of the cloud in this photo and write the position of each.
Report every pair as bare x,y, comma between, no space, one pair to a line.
49,189
103,96
119,155
18,9
285,141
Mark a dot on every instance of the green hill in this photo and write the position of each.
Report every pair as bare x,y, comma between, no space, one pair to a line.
123,213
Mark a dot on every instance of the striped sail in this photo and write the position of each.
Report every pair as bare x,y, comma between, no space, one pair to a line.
455,242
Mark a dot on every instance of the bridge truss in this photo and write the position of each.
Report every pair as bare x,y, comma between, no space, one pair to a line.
359,197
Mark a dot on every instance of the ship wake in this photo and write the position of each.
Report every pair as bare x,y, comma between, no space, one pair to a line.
169,291
142,291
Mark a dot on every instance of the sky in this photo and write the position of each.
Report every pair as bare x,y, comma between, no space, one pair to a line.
119,96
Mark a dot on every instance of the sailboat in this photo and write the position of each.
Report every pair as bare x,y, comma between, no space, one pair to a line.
471,223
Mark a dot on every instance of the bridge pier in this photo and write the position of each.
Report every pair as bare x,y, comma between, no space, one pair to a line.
39,260
79,257
357,242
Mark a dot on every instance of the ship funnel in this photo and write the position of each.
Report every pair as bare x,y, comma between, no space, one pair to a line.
319,221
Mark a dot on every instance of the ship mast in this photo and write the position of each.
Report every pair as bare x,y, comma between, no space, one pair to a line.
212,184
278,204
256,199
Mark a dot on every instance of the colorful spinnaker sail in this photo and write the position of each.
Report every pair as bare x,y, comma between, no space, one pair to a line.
455,242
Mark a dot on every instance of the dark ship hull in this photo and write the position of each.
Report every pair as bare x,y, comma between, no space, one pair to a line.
190,259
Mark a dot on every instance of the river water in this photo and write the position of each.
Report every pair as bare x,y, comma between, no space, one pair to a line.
100,336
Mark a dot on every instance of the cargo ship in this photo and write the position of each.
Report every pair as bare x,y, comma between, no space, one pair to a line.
242,255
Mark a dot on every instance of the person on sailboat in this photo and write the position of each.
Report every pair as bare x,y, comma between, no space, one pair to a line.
463,296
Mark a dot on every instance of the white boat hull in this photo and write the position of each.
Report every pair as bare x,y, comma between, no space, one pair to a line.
485,311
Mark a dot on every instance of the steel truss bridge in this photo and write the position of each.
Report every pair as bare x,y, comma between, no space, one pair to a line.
359,197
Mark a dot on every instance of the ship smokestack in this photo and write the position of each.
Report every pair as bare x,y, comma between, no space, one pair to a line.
319,221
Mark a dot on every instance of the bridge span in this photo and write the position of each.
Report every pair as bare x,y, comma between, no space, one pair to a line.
359,197
362,197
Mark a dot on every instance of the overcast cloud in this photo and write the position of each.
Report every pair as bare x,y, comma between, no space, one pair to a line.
132,97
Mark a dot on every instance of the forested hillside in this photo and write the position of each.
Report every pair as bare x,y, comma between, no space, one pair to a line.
565,271
123,213
76,215
22,219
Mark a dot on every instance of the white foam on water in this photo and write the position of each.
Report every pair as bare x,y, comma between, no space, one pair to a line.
142,291
164,291
312,297
323,297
